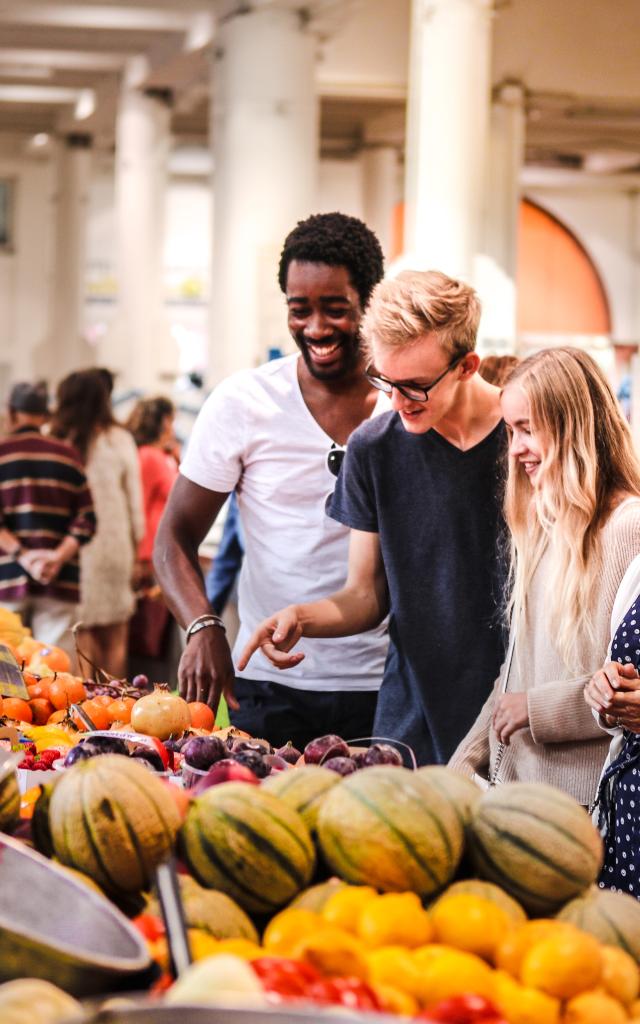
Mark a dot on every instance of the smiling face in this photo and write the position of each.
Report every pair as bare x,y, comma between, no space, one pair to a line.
421,363
525,446
324,318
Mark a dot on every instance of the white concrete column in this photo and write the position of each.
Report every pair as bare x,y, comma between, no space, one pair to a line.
137,346
447,128
380,189
265,150
497,279
65,349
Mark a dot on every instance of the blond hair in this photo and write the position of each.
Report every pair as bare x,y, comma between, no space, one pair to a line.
405,308
588,461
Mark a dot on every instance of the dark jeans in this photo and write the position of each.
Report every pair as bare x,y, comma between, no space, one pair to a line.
280,713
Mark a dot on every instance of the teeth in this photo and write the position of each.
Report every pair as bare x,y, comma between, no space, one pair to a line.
324,350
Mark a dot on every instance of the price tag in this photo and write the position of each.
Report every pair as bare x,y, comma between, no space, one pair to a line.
12,683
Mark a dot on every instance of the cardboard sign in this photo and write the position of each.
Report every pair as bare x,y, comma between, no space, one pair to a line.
12,683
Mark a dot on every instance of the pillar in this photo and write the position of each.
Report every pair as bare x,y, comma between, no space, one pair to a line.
502,209
139,344
264,135
65,348
380,190
447,128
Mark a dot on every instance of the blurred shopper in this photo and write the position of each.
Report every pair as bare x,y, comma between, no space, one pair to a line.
46,514
497,369
227,562
151,424
83,417
268,433
421,488
573,508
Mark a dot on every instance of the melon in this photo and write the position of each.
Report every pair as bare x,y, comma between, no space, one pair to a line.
536,842
211,911
249,844
456,787
9,801
388,828
315,897
613,917
40,828
112,819
303,789
486,891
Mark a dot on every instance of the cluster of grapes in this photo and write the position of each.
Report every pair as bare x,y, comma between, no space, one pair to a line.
138,687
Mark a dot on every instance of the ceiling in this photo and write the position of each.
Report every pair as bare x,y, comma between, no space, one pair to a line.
61,66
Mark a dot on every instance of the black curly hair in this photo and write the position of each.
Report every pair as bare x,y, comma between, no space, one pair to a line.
338,241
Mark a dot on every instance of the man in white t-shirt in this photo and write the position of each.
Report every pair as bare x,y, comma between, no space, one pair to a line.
275,435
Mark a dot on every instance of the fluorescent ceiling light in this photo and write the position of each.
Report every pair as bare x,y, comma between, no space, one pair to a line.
38,94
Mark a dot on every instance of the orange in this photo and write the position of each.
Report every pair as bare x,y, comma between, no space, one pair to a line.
594,1008
394,919
55,658
66,690
516,944
38,689
16,708
343,908
395,966
57,716
103,699
96,712
119,710
243,948
620,976
394,1000
563,965
202,717
41,710
287,928
470,922
522,1005
454,972
334,952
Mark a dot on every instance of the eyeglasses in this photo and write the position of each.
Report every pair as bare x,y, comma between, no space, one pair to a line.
335,458
414,392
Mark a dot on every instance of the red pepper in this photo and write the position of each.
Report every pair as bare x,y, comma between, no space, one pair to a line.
150,927
287,978
464,1009
166,756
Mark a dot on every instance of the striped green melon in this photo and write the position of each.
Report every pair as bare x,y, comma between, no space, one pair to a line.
9,801
111,818
387,827
315,897
613,917
303,789
487,891
456,787
247,843
40,828
536,842
212,911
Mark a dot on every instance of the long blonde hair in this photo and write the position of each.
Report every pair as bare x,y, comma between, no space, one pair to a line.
588,459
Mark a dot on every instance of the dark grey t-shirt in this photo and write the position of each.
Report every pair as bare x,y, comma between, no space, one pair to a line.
437,510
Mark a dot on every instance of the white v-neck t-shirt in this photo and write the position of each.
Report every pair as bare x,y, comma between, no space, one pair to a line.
256,435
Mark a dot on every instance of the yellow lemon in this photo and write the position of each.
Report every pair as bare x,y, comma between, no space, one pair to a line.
423,956
334,952
522,1005
470,922
620,975
563,965
453,973
342,909
201,943
243,948
395,966
287,928
594,1008
394,1000
395,919
517,943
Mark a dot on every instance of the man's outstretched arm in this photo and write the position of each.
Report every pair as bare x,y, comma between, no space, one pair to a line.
206,670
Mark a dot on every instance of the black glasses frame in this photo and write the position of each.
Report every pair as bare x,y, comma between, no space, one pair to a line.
335,458
414,392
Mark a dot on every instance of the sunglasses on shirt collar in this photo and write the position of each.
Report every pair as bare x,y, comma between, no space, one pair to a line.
335,458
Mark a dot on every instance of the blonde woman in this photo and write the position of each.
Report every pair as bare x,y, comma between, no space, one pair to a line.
572,505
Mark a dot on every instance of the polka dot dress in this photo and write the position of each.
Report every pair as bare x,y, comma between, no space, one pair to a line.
619,794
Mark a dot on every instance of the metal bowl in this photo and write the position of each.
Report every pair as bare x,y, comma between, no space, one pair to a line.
53,926
186,1014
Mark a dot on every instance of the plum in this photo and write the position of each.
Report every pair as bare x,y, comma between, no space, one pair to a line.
203,751
253,746
289,753
152,757
319,751
108,744
341,765
253,761
382,753
81,752
226,770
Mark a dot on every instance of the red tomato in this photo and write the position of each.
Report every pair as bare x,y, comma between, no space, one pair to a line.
465,1009
350,992
150,927
288,978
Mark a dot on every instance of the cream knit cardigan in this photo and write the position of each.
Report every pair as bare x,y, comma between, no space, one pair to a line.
563,744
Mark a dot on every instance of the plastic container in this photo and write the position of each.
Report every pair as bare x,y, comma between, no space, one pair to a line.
191,776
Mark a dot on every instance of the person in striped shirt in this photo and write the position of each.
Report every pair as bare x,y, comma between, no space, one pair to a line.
46,514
